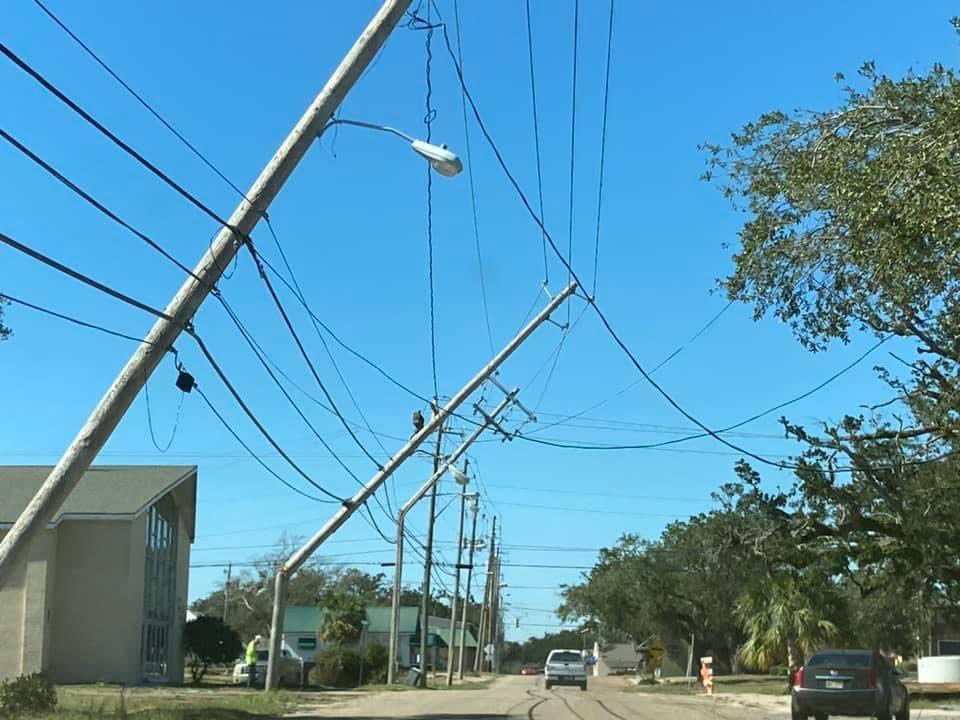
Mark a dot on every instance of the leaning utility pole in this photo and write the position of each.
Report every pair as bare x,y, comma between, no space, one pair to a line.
451,635
485,607
474,508
180,311
298,558
401,529
428,559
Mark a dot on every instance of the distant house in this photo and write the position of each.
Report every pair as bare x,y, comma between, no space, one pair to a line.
301,629
944,636
301,633
102,594
440,629
617,659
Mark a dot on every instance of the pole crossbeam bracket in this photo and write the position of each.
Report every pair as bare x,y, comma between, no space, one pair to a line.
513,395
492,422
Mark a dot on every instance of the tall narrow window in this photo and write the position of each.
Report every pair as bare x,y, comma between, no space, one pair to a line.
159,589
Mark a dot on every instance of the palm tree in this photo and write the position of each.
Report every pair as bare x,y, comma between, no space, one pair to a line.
781,621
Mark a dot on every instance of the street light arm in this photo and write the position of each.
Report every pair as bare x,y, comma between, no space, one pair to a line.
440,157
369,126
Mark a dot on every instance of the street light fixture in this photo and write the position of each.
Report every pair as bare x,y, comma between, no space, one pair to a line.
460,476
440,157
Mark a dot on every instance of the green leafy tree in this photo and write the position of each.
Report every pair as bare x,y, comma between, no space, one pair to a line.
687,581
343,616
249,602
852,227
207,641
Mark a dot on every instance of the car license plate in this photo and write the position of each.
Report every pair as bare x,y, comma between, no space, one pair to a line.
834,684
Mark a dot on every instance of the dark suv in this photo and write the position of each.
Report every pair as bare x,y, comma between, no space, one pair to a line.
849,682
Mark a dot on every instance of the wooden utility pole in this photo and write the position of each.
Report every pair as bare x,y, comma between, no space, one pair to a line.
428,559
301,555
496,602
474,508
402,522
452,633
484,636
226,592
181,310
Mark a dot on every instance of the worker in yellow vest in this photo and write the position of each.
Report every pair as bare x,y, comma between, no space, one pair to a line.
252,660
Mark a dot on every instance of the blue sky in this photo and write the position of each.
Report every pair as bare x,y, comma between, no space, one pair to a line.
234,78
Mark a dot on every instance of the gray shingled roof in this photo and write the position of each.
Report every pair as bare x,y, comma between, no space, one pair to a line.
124,491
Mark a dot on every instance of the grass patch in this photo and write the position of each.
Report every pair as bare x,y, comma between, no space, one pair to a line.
722,685
93,702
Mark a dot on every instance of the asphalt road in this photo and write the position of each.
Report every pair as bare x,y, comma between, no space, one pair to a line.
525,698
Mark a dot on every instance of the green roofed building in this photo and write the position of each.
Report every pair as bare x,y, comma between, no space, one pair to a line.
301,633
102,593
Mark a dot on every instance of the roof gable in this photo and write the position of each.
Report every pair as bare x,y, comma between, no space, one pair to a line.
105,492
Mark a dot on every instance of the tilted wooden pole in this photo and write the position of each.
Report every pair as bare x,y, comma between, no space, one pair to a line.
124,390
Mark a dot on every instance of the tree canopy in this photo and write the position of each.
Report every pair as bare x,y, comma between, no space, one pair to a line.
249,601
853,226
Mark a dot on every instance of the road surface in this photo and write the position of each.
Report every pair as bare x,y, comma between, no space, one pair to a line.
525,698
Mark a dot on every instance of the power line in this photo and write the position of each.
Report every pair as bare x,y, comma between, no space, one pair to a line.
323,341
305,355
90,199
193,200
603,148
536,138
587,493
93,201
253,454
257,350
658,366
140,99
74,320
86,280
573,148
176,422
558,508
696,436
623,426
50,87
187,328
253,418
428,118
113,216
473,192
592,301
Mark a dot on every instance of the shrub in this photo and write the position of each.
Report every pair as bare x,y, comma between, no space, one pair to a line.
375,662
336,667
781,670
208,640
27,695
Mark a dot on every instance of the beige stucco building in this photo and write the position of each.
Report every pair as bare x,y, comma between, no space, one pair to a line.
102,595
